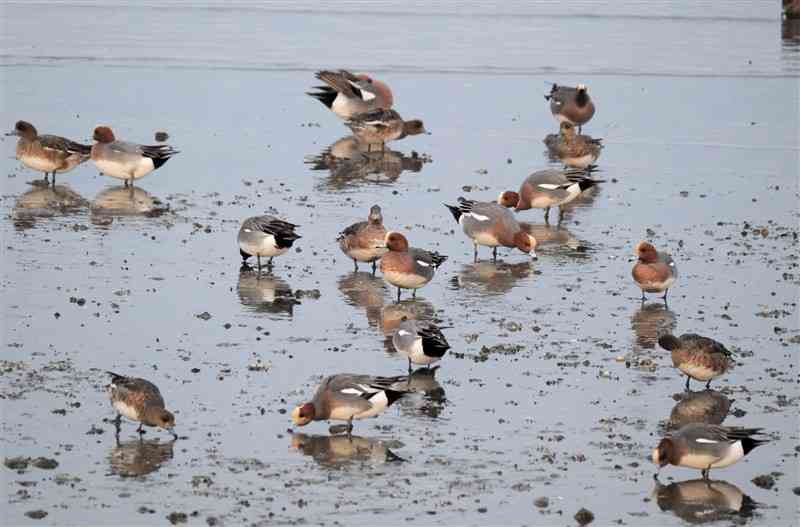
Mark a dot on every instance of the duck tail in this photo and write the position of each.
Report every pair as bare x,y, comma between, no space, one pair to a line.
454,210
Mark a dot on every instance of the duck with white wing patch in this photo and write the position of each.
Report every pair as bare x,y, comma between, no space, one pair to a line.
265,236
421,342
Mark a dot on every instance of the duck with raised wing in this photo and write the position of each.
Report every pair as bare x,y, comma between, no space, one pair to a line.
655,272
47,153
572,105
700,358
407,267
493,224
139,400
348,396
265,236
124,160
553,188
365,241
703,446
420,342
573,149
347,95
378,127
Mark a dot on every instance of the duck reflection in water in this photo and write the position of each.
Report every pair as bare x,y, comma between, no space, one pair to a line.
492,278
707,406
340,451
138,457
265,292
127,201
351,164
45,201
650,322
412,308
704,501
422,381
366,291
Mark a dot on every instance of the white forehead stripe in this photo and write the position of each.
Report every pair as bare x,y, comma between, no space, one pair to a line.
247,230
367,96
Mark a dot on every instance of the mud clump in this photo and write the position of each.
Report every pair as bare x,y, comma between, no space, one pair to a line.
17,463
542,502
764,481
36,515
177,517
44,463
584,516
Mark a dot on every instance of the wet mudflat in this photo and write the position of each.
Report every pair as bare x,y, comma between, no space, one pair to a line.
554,392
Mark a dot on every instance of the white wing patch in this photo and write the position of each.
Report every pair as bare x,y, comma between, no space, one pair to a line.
374,123
367,96
548,186
403,332
351,391
478,217
423,264
247,230
704,440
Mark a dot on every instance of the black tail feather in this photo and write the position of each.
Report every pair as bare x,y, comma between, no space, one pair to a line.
393,395
325,95
455,211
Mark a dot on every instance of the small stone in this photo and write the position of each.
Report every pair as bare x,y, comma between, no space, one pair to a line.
584,516
17,463
36,515
764,481
177,517
796,491
44,463
205,315
542,502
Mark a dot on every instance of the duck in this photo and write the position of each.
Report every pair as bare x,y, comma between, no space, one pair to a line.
124,160
50,154
550,187
139,400
655,271
378,127
700,358
492,224
265,236
573,105
573,149
407,267
705,446
346,397
420,342
348,95
365,241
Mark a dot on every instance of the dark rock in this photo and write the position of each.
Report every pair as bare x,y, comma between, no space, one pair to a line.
44,463
17,463
177,517
36,515
542,502
161,136
796,491
584,516
764,481
205,315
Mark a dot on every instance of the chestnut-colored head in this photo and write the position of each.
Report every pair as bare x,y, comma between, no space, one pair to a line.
375,215
525,243
508,199
24,129
413,127
383,90
103,134
646,253
303,414
396,242
664,452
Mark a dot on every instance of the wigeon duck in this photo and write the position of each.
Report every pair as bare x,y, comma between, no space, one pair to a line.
265,236
420,342
700,358
47,153
705,446
573,149
407,267
378,127
348,396
365,241
347,95
708,406
126,161
571,104
492,224
704,501
553,188
139,400
655,272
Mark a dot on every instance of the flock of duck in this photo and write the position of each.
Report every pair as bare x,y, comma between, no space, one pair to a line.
365,104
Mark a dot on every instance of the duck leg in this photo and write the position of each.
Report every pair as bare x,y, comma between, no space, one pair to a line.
269,263
409,370
547,215
560,215
494,255
708,385
141,430
258,260
687,383
398,294
475,257
117,424
355,265
704,472
350,427
374,267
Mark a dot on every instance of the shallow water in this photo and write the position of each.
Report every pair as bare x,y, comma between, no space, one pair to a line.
701,157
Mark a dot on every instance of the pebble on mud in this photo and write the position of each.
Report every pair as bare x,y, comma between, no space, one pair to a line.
36,515
584,516
764,481
17,463
796,491
44,463
542,502
205,315
177,517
